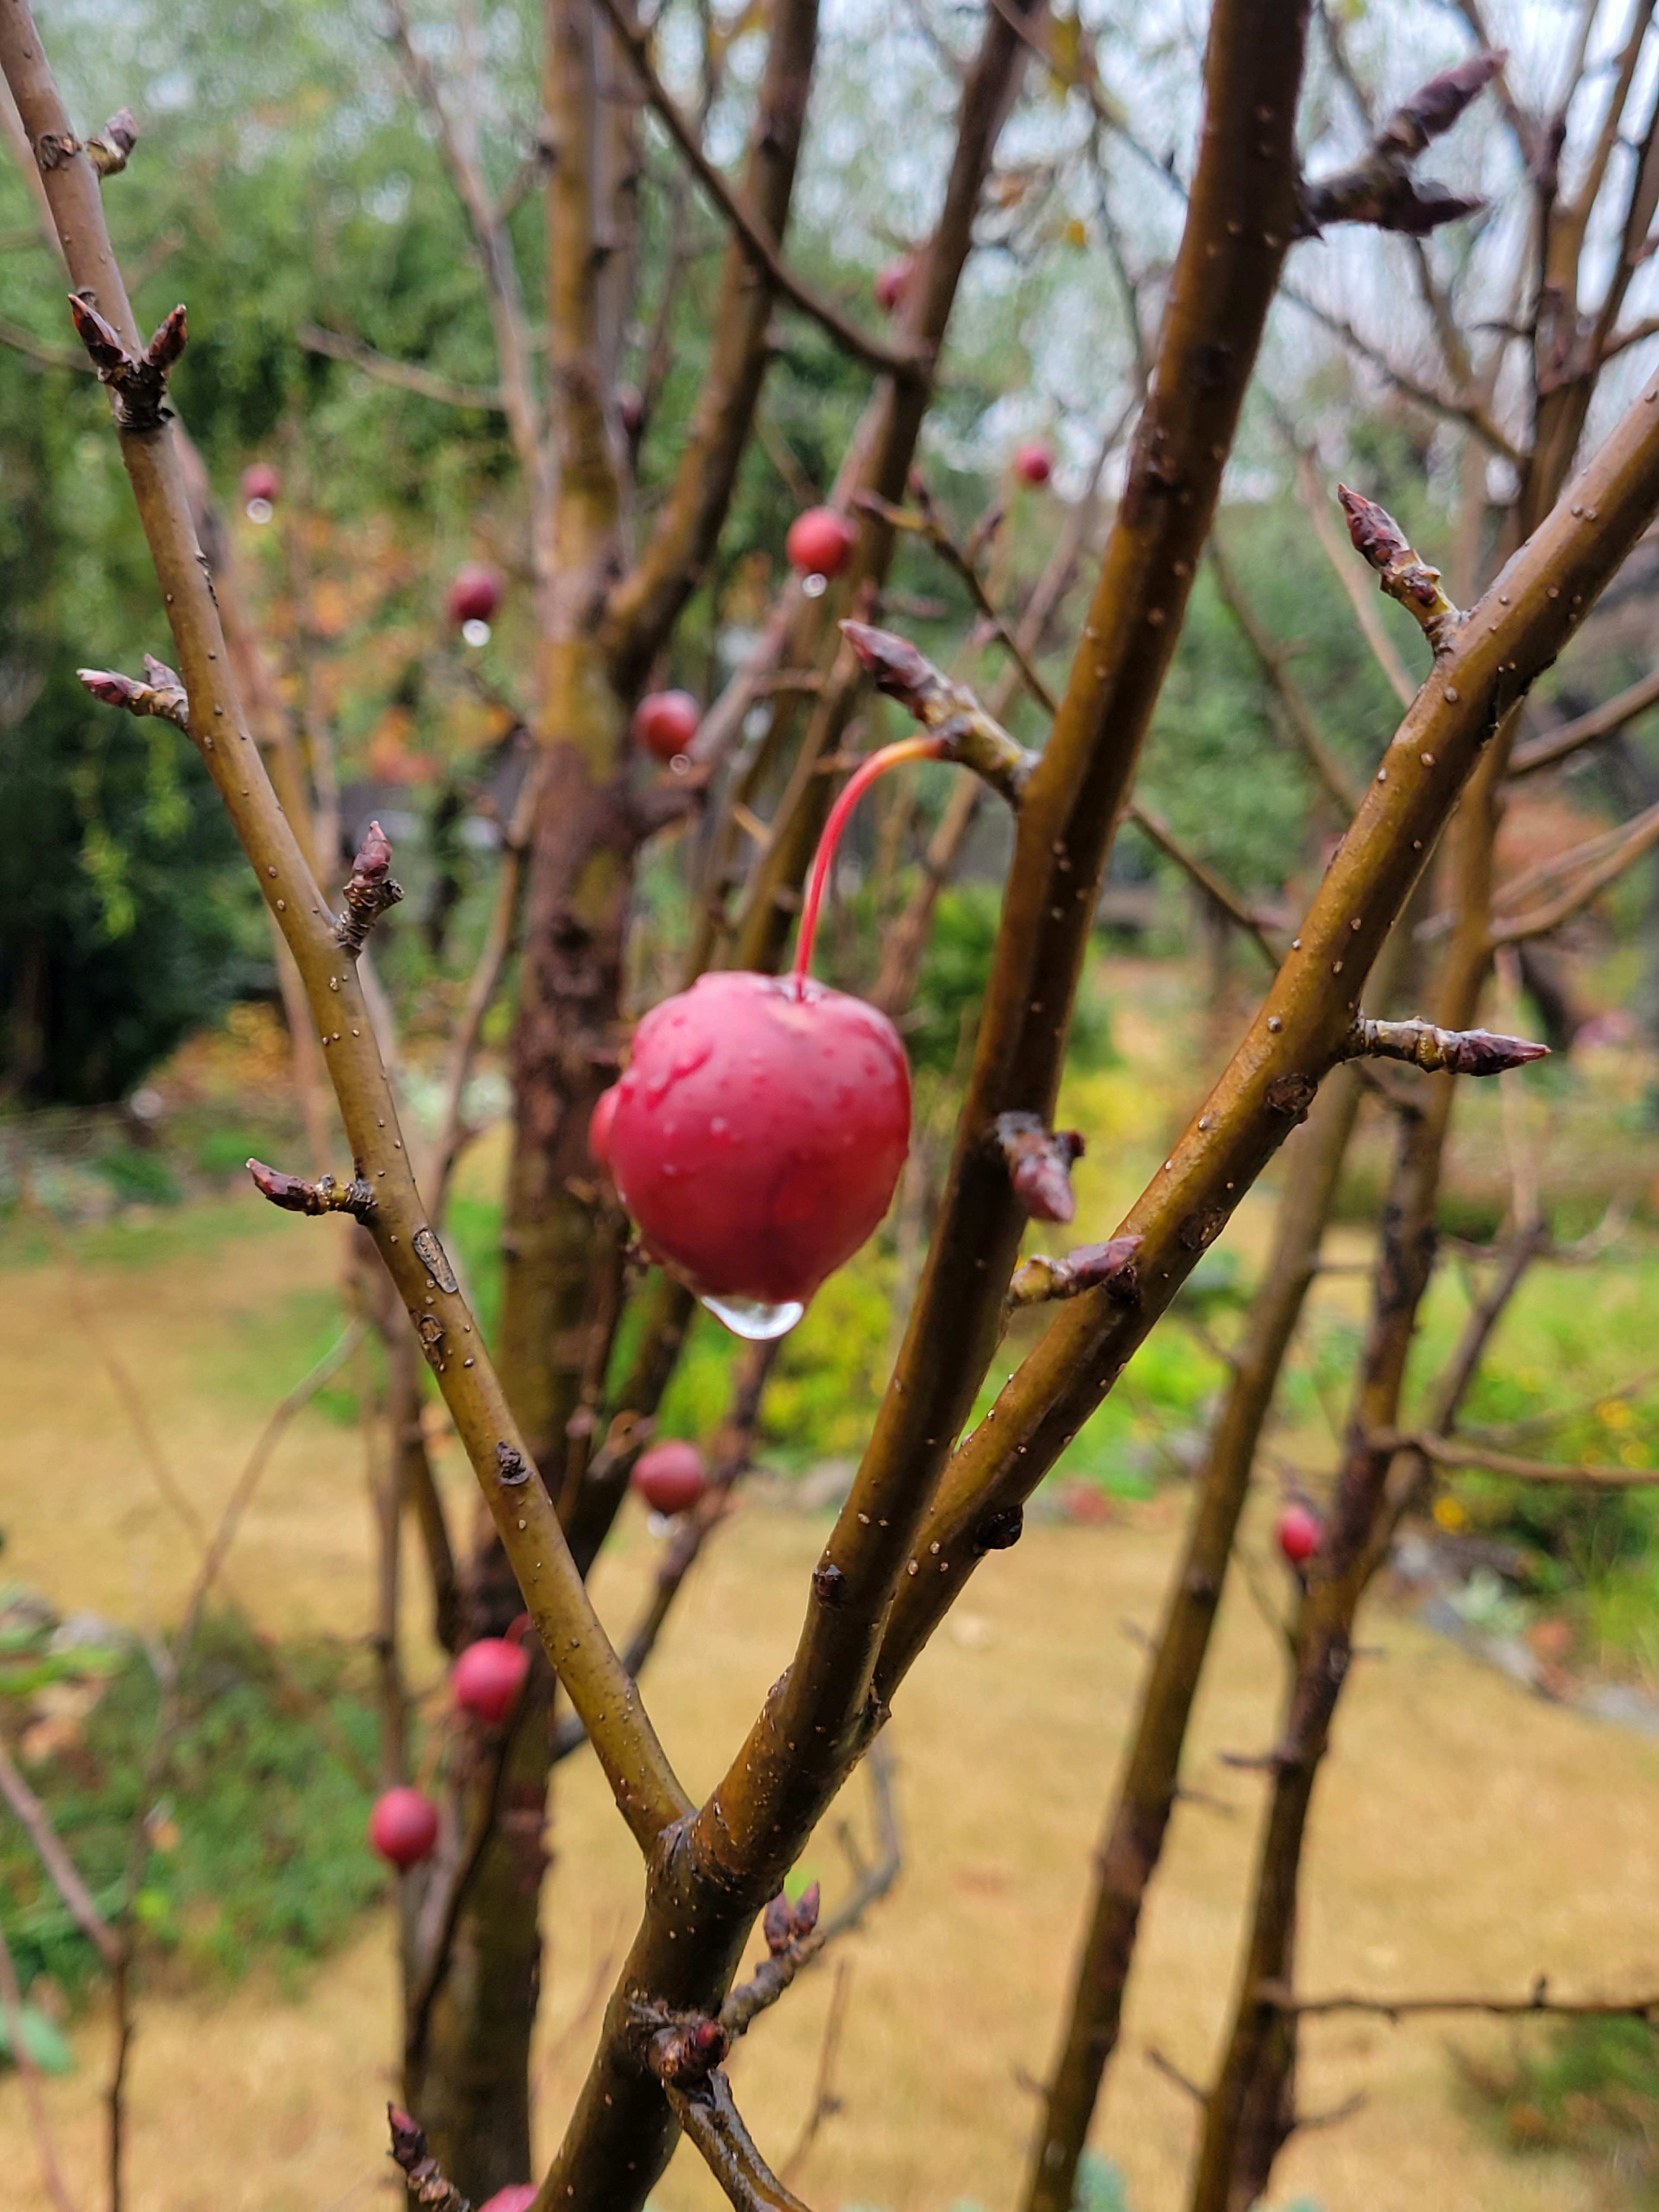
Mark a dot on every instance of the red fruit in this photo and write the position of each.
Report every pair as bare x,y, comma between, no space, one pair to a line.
404,1827
819,542
487,1677
1298,1531
261,481
475,594
671,1477
664,723
599,1127
892,282
630,409
1034,463
517,2196
759,1132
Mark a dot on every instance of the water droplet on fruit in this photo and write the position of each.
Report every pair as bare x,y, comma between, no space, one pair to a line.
476,633
815,586
750,1318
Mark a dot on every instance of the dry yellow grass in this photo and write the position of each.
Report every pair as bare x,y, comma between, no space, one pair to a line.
1466,1835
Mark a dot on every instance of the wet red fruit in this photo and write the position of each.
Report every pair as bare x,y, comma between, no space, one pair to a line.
475,594
630,409
1298,1531
261,481
671,1477
758,1134
893,281
819,542
404,1827
598,1128
1034,463
487,1677
517,2196
664,723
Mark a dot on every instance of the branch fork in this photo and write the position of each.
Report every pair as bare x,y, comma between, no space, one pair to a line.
137,382
1380,189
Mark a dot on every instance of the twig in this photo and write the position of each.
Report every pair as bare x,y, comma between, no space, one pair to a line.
33,1818
1452,1451
902,362
712,2120
1396,2008
1551,747
405,375
11,2001
1380,188
825,2103
1454,1052
428,2186
1637,837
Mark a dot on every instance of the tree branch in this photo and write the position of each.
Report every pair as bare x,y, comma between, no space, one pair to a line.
1380,188
405,375
902,362
1551,747
1397,2008
1638,837
1453,1451
637,1766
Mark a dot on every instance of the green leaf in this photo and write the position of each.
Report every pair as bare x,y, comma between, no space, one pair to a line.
43,2042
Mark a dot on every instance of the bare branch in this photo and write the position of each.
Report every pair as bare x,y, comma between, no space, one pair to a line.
712,2120
1453,1451
902,362
1639,836
1396,2009
33,1820
405,375
11,2010
1551,747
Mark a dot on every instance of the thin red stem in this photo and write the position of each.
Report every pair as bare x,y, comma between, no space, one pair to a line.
907,748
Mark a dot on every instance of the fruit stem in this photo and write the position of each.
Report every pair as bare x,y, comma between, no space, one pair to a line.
894,755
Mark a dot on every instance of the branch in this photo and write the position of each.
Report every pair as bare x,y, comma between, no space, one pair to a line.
11,2010
1555,745
43,355
1456,409
162,695
294,1195
1304,726
1452,1451
712,2120
1453,1052
905,363
1380,189
405,375
1396,2009
1038,1280
1220,895
1639,836
641,1776
33,1820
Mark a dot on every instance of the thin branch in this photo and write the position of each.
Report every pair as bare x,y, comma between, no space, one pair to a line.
642,1778
1453,406
825,2103
1366,610
1298,714
11,2006
1220,895
902,362
41,352
1639,836
712,2120
33,1818
1551,747
1453,1451
1454,1052
1380,188
1396,2009
405,375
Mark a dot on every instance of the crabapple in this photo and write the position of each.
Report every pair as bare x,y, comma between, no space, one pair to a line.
475,594
1298,1531
671,1477
819,542
1034,463
664,723
517,2196
892,282
487,1677
261,481
403,1827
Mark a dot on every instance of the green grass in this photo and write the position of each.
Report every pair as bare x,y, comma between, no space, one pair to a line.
258,1849
1587,2086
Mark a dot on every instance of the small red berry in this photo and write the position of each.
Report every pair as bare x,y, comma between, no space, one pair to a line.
403,1827
475,594
893,281
671,1477
517,2196
261,481
1034,463
757,1136
664,723
1298,1531
820,541
630,409
487,1677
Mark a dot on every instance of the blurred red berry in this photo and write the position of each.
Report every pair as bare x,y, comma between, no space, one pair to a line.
475,594
1298,1531
664,723
820,541
261,481
403,1827
517,2196
892,282
487,1677
671,1477
1034,463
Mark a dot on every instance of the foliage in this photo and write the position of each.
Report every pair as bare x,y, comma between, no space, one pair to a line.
1590,2086
259,1851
